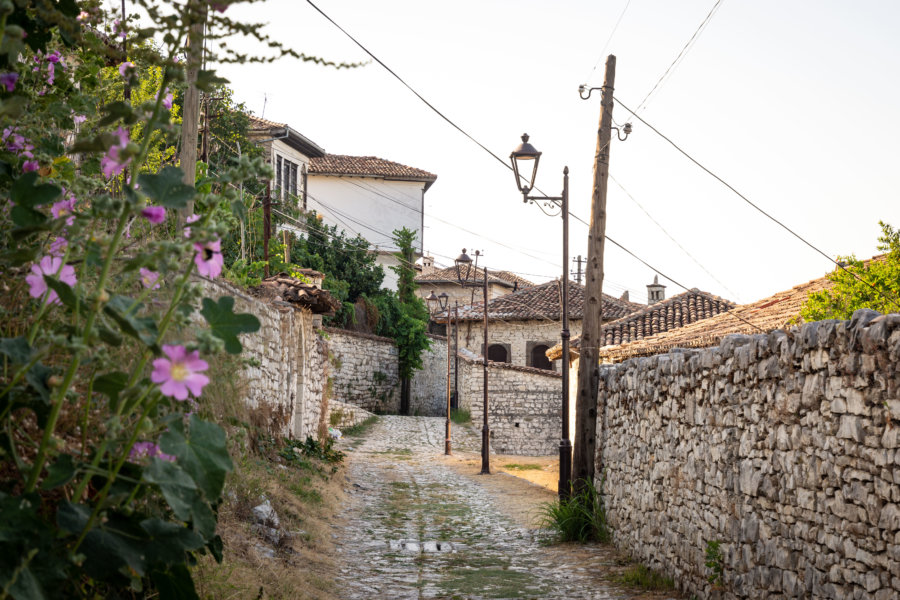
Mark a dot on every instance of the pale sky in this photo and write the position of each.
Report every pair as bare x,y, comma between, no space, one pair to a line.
792,103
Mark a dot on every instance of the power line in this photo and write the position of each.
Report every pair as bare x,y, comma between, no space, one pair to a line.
681,54
608,40
748,201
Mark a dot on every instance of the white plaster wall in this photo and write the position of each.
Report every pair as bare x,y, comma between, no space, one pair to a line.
371,215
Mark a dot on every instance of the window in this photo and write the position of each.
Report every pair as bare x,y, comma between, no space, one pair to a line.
536,355
498,353
285,178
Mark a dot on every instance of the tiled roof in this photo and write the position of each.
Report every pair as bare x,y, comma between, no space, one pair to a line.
670,314
337,164
260,124
285,288
263,127
448,275
543,302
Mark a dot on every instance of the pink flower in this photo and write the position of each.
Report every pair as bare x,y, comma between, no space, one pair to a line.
79,119
30,165
64,208
113,164
218,6
58,246
9,80
154,214
209,259
167,101
146,450
53,57
49,265
125,68
149,278
83,15
179,373
189,220
51,73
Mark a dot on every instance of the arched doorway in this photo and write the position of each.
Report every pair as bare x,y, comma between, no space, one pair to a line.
539,358
498,353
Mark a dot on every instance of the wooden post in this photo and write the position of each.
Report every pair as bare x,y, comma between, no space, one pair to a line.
588,365
485,429
195,10
267,227
287,247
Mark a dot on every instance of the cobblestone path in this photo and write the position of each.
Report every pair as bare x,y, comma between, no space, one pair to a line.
417,526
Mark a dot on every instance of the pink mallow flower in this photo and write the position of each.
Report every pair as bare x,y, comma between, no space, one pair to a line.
9,80
179,373
79,119
154,214
149,278
64,208
49,265
188,221
30,165
209,259
113,163
125,68
142,451
167,101
58,246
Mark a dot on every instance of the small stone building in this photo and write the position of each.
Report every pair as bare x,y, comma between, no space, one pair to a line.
445,281
524,325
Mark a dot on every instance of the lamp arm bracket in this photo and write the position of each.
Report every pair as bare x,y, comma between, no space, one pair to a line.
584,88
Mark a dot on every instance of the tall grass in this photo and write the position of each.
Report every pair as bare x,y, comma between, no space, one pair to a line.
579,518
460,416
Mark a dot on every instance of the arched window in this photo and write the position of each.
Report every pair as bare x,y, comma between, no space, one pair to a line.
498,353
539,358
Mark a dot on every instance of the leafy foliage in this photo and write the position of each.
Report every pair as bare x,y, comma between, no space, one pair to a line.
579,518
412,322
872,284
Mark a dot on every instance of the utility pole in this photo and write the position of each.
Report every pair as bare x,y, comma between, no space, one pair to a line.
577,273
588,365
195,13
267,227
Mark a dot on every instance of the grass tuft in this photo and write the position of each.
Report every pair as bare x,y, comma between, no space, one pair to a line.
580,518
360,428
460,416
523,467
642,577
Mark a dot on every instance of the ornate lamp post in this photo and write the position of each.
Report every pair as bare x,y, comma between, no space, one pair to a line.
525,158
466,275
438,305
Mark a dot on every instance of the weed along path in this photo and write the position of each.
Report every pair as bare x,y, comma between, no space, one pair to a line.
417,524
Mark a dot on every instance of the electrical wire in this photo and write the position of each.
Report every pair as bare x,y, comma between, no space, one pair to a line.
608,40
681,54
748,201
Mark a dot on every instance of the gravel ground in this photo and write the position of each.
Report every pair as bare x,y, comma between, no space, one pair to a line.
418,524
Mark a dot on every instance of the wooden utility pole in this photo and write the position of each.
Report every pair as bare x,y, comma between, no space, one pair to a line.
195,11
588,365
577,274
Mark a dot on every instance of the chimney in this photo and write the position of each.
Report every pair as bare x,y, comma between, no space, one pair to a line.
656,292
625,296
427,265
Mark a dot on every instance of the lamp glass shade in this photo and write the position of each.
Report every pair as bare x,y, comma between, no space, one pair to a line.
432,302
464,270
525,159
443,300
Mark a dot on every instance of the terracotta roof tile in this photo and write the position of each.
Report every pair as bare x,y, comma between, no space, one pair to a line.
448,275
286,288
337,164
543,302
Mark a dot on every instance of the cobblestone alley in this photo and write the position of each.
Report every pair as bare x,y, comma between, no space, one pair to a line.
418,524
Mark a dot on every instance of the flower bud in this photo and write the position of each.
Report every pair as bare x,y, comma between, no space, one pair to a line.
54,381
103,296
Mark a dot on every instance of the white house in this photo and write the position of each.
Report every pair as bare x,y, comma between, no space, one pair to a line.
289,153
371,197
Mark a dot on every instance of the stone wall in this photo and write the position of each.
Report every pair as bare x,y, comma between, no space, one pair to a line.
428,389
286,389
364,370
523,406
783,447
518,335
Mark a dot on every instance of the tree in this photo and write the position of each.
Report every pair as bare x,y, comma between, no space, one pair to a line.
409,331
871,284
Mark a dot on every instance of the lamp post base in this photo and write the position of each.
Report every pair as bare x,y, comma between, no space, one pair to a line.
447,439
485,451
565,469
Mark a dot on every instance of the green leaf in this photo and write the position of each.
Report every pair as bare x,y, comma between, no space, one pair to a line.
169,541
59,473
109,336
202,454
72,517
17,349
37,377
166,187
176,485
225,324
216,546
122,311
19,256
24,192
111,385
239,210
174,583
65,293
115,111
208,80
24,216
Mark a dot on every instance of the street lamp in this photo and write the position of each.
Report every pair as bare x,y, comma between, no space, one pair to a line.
466,274
523,158
436,306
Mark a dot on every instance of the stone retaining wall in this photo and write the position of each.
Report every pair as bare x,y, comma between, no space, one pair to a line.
364,370
523,406
286,389
782,447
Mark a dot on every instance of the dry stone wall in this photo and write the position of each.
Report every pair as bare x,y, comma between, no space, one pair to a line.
364,370
286,382
523,406
517,335
428,388
783,447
